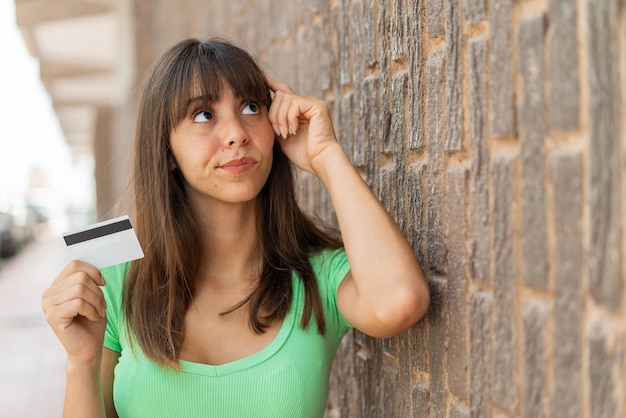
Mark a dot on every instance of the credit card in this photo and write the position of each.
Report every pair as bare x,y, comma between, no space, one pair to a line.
105,243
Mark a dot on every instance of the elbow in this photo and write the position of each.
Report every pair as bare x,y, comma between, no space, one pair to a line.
406,309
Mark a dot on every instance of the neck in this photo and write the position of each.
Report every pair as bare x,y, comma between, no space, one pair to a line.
231,254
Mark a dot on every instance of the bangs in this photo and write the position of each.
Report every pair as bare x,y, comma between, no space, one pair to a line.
202,69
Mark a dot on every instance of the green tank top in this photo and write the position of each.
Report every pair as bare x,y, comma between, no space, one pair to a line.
288,378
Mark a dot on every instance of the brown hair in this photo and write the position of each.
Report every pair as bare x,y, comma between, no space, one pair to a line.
161,285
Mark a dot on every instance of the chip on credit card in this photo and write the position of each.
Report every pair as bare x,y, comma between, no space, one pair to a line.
105,243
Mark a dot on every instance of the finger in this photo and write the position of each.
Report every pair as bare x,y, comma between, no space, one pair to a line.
273,113
77,265
294,112
77,286
63,315
281,106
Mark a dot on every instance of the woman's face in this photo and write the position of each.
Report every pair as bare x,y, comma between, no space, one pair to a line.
223,148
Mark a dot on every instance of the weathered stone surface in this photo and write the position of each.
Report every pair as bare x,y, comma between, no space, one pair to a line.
386,192
398,30
479,163
500,58
416,175
504,364
384,115
480,354
454,77
346,110
475,11
532,143
458,410
535,400
420,398
436,164
321,71
434,17
358,74
606,283
457,282
369,33
398,100
563,65
568,303
603,361
370,128
436,342
416,88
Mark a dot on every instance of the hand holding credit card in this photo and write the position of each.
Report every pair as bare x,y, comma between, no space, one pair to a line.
105,243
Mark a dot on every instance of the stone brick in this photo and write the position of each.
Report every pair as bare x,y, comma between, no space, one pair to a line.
416,88
458,410
437,314
358,71
397,135
605,282
341,26
535,399
345,53
479,163
504,364
371,129
563,65
405,354
436,163
532,143
367,363
603,361
454,77
386,193
346,377
416,174
323,59
384,115
434,17
420,398
306,84
346,111
475,11
480,354
417,343
390,386
567,270
500,58
369,34
457,282
398,30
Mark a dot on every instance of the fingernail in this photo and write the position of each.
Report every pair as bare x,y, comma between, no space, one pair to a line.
276,130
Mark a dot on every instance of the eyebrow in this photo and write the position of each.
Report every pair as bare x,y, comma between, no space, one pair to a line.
199,98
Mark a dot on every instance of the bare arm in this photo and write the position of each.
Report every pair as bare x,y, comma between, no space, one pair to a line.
75,310
385,291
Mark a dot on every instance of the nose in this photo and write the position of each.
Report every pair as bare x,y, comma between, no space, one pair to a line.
234,133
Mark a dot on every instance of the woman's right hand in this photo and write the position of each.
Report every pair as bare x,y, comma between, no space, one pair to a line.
76,311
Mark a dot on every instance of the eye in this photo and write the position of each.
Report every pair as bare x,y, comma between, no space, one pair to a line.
252,108
202,116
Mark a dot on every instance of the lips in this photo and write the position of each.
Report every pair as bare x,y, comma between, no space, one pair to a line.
239,165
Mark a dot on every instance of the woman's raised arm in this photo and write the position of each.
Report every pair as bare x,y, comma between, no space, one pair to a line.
385,292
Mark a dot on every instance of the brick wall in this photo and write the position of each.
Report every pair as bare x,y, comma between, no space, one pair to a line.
495,132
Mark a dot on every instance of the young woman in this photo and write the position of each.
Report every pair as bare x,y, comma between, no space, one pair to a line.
241,301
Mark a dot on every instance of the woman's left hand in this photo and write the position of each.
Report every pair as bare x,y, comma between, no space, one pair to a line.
302,124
